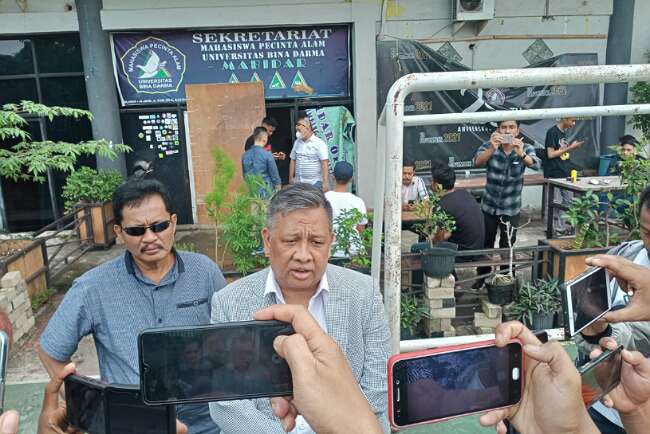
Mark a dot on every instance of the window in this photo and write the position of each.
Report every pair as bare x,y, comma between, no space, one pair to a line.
16,57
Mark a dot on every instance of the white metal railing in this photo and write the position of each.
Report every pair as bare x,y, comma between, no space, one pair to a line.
390,144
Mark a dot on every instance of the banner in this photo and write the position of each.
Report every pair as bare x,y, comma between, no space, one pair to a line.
335,126
296,62
456,144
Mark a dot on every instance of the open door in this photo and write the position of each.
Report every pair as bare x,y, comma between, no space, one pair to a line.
221,115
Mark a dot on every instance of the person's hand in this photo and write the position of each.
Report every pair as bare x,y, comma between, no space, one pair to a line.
53,418
181,428
9,421
576,144
495,140
634,389
325,391
551,400
518,145
632,278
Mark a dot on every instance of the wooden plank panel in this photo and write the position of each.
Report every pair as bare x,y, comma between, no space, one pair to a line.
221,115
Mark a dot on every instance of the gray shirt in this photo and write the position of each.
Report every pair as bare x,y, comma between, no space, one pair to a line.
114,302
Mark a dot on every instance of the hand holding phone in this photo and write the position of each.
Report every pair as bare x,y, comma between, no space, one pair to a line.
586,299
551,399
601,375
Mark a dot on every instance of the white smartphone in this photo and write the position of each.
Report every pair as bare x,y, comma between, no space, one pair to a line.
4,357
587,298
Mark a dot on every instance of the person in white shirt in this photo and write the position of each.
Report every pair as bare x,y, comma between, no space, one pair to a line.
342,200
413,187
309,157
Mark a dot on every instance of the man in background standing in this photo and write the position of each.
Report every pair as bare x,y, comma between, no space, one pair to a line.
309,157
558,163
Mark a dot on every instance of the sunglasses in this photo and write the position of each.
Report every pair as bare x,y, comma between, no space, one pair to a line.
138,231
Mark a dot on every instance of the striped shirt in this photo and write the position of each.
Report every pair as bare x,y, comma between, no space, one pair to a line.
505,180
308,154
114,302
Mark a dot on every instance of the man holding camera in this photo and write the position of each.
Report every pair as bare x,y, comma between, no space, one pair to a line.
506,157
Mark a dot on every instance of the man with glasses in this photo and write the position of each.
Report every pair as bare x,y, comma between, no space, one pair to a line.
150,285
309,157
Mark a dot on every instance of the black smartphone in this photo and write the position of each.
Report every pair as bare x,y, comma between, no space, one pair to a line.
213,363
601,375
440,384
100,408
586,299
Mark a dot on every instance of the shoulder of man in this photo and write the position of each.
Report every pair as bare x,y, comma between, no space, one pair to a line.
97,276
197,260
628,250
247,286
349,283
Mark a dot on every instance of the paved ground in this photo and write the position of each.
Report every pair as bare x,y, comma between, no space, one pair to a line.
26,376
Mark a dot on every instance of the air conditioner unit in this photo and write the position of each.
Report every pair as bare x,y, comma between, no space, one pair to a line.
473,10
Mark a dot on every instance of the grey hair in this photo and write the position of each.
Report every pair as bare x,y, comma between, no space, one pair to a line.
295,197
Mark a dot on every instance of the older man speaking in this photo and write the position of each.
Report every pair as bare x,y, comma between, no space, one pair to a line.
297,240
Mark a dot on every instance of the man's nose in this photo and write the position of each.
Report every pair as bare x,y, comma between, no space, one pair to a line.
149,235
302,252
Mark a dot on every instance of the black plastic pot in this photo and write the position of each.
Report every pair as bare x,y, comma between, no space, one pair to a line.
439,260
501,293
542,321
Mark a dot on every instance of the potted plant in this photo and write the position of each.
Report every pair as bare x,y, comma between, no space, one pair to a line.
351,247
537,303
439,257
87,186
501,286
412,311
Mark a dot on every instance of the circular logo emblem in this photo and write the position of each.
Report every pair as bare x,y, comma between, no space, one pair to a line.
153,65
495,96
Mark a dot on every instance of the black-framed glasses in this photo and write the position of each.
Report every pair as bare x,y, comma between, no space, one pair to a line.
138,231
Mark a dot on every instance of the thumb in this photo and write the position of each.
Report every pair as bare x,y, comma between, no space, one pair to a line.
632,312
638,362
296,352
9,422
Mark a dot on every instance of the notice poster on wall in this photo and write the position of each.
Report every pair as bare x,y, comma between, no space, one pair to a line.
298,62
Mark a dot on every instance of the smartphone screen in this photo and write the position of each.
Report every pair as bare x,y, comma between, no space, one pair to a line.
507,138
601,375
444,385
588,299
213,363
129,415
85,405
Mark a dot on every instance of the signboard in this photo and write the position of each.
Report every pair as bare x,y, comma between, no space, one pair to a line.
456,144
335,125
296,62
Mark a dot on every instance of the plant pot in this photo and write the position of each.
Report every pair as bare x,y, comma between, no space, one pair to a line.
439,260
95,224
564,262
542,321
501,293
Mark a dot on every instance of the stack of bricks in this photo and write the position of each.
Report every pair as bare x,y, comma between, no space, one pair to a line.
439,293
485,322
14,300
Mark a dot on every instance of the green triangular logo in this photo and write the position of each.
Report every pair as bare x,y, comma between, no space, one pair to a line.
255,78
277,82
233,78
298,80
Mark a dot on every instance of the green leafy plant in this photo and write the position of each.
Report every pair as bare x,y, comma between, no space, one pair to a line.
539,297
348,239
186,247
412,311
215,200
635,175
641,95
242,225
362,257
30,160
88,185
41,297
591,223
435,220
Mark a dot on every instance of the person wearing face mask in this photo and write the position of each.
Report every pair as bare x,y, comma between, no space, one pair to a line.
309,157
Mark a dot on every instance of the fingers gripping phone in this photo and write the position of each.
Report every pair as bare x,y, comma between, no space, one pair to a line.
443,383
213,363
4,357
601,375
587,298
99,408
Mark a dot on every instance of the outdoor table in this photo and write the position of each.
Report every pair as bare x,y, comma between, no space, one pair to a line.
580,187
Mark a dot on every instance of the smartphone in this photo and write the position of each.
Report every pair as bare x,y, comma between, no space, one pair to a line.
587,298
443,383
213,363
100,408
4,357
507,138
601,375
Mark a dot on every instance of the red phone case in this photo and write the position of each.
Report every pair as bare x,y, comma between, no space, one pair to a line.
441,350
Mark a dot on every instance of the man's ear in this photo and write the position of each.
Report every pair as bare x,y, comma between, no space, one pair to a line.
266,238
118,232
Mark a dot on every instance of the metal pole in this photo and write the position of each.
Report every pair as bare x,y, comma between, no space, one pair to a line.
378,206
50,176
100,82
394,112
